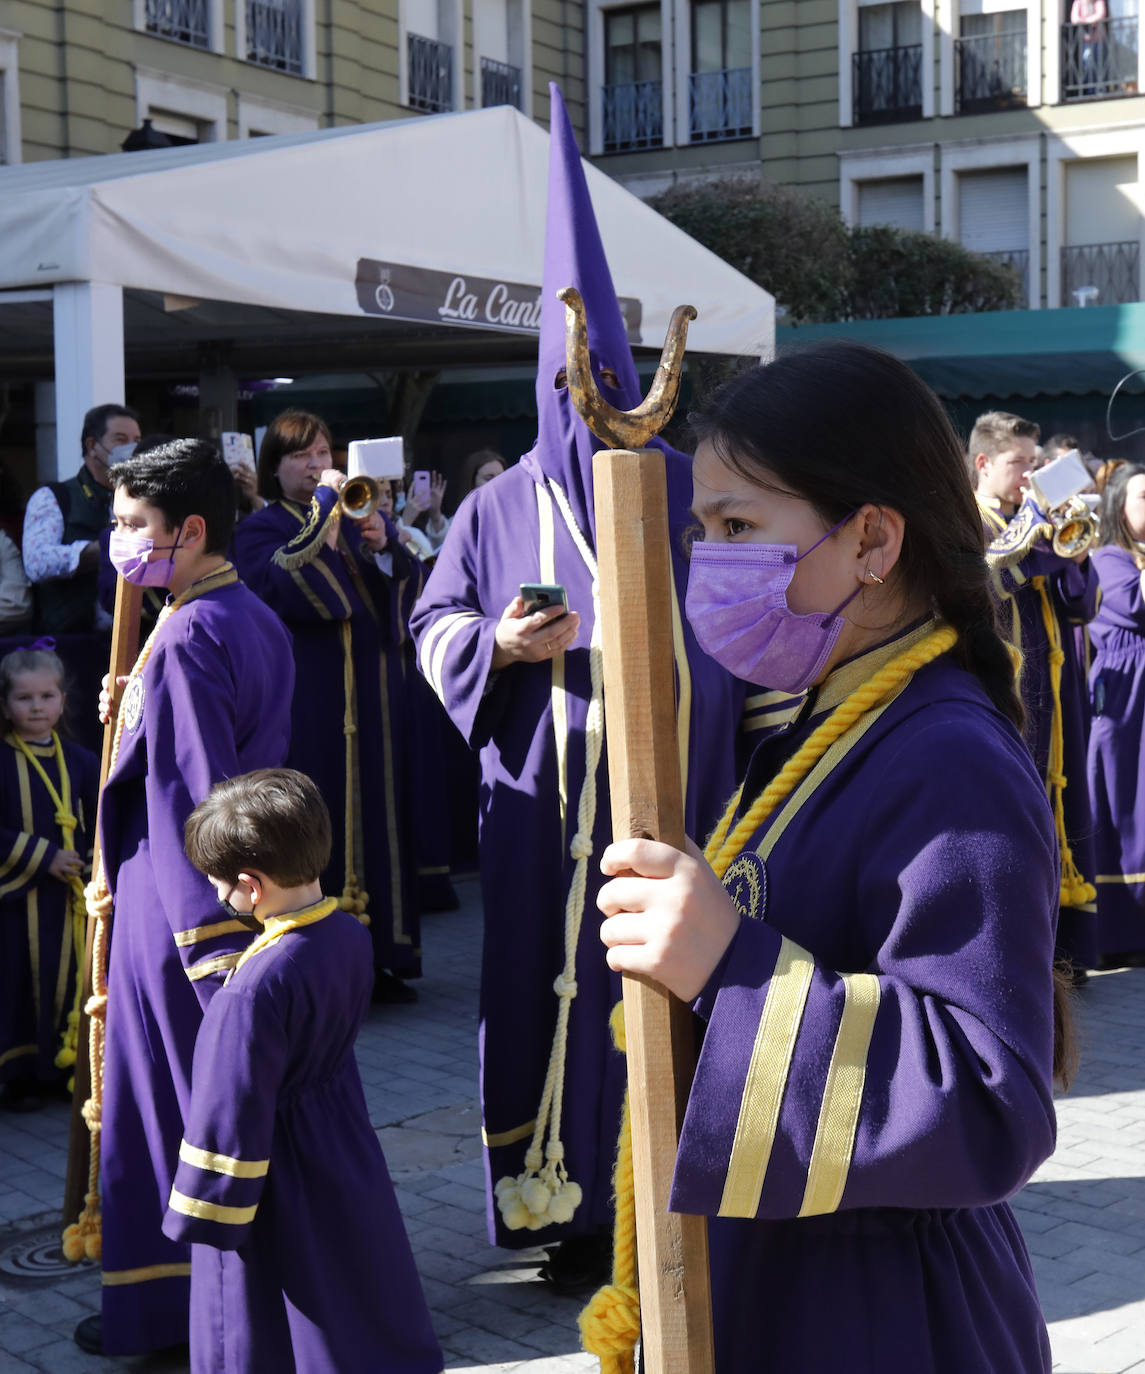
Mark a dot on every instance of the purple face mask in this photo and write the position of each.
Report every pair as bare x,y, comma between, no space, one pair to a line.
130,557
737,606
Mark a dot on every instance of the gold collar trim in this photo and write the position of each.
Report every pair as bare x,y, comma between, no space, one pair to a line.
40,751
852,674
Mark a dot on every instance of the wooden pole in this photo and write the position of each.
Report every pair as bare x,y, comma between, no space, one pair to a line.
632,547
124,651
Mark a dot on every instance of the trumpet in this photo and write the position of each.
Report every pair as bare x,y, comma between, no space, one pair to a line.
1076,527
359,497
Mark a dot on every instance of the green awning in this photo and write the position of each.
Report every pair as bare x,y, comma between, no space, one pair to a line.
1008,353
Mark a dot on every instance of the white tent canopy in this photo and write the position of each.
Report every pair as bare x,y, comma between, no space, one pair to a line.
436,220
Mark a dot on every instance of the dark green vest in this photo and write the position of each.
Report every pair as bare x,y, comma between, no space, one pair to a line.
66,605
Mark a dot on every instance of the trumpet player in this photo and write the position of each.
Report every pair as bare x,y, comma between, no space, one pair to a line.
305,553
1045,589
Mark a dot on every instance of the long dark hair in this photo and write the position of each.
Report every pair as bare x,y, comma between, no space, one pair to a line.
1111,512
842,424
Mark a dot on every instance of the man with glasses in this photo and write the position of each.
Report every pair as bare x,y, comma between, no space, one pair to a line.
63,523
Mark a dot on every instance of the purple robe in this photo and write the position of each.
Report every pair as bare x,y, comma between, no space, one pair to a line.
37,949
213,702
1073,590
875,1075
321,592
1117,691
300,1261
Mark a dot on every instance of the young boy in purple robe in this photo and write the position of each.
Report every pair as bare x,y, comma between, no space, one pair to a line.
1043,600
1117,733
300,1260
869,939
48,786
209,697
523,689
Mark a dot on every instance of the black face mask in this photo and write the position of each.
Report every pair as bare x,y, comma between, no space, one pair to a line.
244,918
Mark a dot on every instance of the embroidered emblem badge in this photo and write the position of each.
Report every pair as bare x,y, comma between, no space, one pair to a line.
133,704
746,884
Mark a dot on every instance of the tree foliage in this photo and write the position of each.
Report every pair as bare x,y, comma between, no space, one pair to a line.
800,249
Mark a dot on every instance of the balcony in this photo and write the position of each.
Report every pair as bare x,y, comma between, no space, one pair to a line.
887,84
274,34
1099,60
1101,273
990,72
430,74
633,116
720,105
500,83
1018,260
185,21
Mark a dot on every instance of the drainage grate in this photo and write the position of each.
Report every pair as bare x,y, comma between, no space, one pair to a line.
30,1254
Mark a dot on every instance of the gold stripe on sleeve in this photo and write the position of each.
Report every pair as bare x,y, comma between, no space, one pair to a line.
310,594
210,1211
1120,878
117,1278
205,967
223,1164
766,1081
35,858
198,933
842,1096
335,586
15,852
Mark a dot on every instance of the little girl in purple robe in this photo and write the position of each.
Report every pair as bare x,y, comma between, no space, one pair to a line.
300,1262
48,789
1117,694
869,936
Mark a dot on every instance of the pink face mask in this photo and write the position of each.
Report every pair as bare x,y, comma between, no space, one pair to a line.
737,607
130,556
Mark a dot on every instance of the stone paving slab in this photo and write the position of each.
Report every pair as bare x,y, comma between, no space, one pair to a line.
1083,1214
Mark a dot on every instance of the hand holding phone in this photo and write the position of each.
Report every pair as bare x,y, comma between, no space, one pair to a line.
539,596
535,626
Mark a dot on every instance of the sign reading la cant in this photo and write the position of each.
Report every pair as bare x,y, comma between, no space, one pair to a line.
401,292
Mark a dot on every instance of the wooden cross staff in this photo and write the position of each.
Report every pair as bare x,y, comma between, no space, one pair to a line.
124,650
635,572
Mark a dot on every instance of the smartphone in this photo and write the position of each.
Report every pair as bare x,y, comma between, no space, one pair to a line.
538,596
420,489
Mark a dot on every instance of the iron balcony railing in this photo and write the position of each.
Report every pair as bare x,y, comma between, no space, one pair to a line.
990,72
1099,59
500,83
274,34
430,74
186,21
1018,260
720,105
1101,273
887,84
633,116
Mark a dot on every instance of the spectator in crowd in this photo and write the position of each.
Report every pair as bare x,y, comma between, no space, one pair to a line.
15,589
1043,597
481,467
410,538
64,521
1117,728
316,570
422,511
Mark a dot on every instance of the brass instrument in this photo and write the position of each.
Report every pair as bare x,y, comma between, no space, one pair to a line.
1076,527
359,497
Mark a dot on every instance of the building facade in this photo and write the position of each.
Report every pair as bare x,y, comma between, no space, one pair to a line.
78,76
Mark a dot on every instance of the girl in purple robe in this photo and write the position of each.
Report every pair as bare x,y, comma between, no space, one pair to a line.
869,939
1117,693
318,573
47,815
300,1260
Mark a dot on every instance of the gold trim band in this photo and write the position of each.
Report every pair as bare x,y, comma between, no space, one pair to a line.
499,1138
210,1211
222,1164
224,963
198,933
116,1278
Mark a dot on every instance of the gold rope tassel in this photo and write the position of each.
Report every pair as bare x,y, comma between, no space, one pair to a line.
353,899
83,1238
610,1324
1075,891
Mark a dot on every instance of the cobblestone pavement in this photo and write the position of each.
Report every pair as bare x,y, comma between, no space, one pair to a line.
1083,1215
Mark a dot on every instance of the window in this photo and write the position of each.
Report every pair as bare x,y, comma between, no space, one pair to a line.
430,26
185,21
896,201
498,53
633,88
994,217
887,76
274,34
720,87
1101,254
1099,60
990,62
186,111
